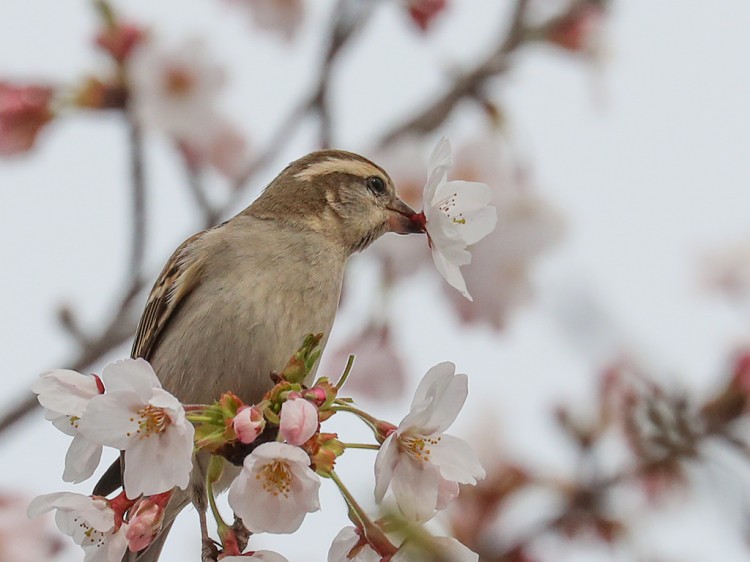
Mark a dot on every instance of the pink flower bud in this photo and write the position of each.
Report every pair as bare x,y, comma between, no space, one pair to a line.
146,522
24,110
299,421
248,423
316,395
120,40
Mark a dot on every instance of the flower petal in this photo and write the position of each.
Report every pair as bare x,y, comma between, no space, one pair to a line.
159,462
134,375
385,462
450,272
112,419
456,460
276,450
343,544
81,459
64,391
415,487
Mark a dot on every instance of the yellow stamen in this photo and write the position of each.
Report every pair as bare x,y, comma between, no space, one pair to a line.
277,478
151,420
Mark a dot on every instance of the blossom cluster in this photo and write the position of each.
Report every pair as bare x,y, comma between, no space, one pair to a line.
127,409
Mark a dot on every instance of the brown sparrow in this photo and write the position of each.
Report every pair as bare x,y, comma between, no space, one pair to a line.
234,302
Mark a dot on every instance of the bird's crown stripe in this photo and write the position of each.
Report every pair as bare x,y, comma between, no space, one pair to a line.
338,165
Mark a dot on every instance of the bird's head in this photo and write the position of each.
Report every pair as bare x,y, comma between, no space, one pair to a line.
340,194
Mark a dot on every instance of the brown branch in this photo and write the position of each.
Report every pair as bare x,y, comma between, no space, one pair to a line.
468,85
138,187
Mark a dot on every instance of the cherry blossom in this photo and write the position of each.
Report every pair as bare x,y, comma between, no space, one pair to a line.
528,226
24,110
90,521
138,416
248,424
418,461
457,215
275,489
64,395
348,546
448,547
175,88
299,420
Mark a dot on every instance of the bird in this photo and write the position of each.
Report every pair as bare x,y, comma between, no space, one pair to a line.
234,302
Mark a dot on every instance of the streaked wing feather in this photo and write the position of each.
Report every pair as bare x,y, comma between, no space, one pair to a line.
179,277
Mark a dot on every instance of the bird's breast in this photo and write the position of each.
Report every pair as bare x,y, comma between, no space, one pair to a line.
244,320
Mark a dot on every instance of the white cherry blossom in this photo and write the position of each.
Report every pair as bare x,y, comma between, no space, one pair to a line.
275,489
457,215
418,461
64,395
347,540
90,521
139,417
175,88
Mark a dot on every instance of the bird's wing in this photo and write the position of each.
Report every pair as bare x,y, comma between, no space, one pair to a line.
180,276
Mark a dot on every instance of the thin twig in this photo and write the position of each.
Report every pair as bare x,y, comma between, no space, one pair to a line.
467,85
195,184
138,188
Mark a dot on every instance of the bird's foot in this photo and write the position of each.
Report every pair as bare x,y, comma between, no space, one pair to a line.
209,551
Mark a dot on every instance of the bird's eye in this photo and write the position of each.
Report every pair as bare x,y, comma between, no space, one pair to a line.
376,184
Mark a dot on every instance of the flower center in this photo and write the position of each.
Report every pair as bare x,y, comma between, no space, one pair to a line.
179,82
277,478
448,207
150,420
418,446
91,537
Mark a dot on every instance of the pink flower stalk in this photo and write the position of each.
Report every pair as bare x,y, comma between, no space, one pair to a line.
24,110
299,420
248,424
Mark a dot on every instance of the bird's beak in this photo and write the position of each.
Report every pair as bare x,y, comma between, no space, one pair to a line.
402,219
